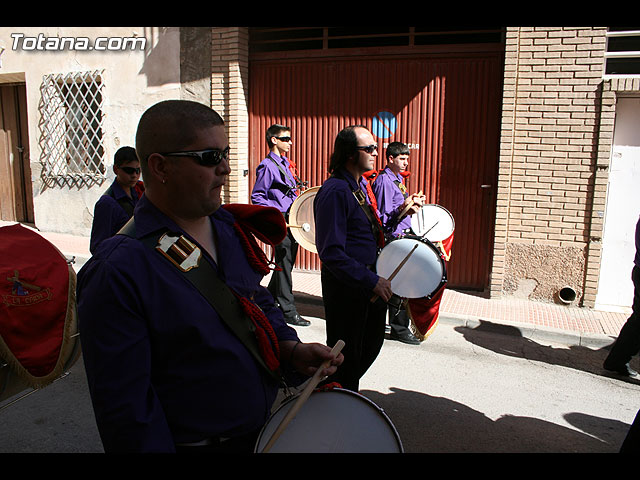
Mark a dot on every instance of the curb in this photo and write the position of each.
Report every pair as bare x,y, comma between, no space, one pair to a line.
504,327
530,332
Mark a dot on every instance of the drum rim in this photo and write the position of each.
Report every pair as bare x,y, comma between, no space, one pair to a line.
439,207
333,390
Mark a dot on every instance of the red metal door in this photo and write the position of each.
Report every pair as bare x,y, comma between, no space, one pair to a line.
446,108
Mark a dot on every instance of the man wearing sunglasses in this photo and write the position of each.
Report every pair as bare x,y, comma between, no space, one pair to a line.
348,237
115,207
277,185
184,350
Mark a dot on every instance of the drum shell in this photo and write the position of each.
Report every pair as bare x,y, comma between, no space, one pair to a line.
332,421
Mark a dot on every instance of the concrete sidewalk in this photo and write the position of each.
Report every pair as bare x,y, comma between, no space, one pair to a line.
569,324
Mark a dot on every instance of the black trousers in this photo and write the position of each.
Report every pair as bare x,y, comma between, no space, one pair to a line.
351,317
281,283
628,342
631,443
398,320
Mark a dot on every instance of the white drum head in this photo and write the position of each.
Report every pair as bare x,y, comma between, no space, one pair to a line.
302,220
433,222
333,421
420,276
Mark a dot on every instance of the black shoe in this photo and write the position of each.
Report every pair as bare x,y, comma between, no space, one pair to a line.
623,370
298,321
405,337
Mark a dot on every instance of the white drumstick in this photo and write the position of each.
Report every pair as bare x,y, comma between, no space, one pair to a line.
305,226
303,396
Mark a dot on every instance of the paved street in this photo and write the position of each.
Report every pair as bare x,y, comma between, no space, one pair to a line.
476,388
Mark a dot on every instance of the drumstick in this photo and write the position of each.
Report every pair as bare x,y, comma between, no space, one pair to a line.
432,227
395,272
303,396
304,226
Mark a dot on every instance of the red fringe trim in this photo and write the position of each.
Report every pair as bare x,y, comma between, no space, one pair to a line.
267,340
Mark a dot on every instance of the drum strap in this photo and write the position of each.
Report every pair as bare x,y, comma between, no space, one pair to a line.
298,182
374,219
123,202
369,210
226,303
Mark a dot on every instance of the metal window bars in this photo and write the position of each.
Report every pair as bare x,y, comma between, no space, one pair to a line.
71,129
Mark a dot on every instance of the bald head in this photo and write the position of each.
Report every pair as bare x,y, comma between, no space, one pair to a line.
170,125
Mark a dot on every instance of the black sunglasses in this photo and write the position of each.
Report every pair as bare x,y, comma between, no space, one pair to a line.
206,158
369,148
284,139
130,170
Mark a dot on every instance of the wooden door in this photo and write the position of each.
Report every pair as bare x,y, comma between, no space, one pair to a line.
16,200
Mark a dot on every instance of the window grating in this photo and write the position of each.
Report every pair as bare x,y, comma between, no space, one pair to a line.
71,129
622,56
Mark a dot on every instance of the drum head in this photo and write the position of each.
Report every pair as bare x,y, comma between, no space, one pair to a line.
302,221
420,276
333,421
433,222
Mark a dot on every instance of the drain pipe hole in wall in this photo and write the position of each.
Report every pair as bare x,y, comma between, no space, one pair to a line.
567,295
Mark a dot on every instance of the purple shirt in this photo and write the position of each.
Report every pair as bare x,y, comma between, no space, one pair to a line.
390,198
345,242
162,367
108,215
272,188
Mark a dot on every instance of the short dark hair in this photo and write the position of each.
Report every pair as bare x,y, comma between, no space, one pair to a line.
397,148
344,147
274,131
171,125
124,155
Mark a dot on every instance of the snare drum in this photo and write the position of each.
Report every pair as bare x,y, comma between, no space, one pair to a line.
332,421
433,222
422,275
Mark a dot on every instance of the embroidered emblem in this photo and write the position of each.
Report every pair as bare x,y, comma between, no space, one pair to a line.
23,293
181,252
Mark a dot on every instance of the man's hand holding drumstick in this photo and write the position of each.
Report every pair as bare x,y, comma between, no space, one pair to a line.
411,205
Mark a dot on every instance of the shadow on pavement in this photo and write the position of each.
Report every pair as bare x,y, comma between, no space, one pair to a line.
508,340
428,424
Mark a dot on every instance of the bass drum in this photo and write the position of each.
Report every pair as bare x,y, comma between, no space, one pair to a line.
332,421
302,220
39,339
422,275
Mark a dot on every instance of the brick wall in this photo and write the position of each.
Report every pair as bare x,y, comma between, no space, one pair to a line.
229,74
549,183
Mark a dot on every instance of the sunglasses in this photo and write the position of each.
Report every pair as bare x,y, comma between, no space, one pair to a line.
130,170
206,158
369,148
284,139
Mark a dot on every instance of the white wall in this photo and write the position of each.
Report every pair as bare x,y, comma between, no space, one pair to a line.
615,289
132,81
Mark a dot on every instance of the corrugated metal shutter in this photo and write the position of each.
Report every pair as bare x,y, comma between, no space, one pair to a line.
446,108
